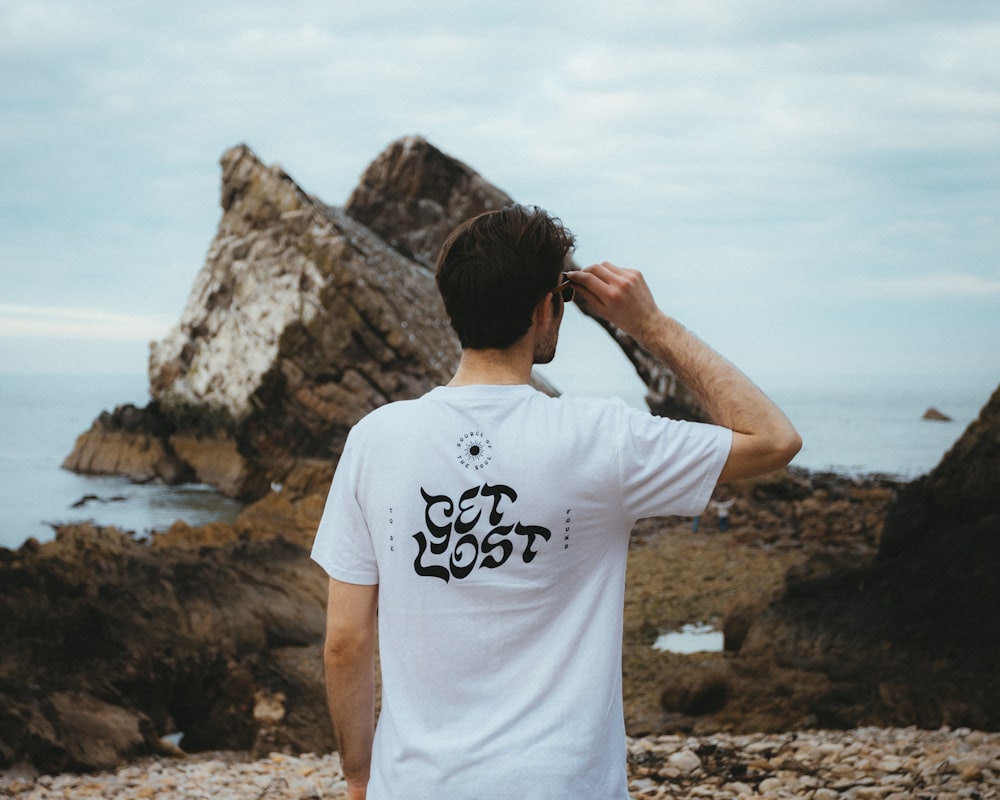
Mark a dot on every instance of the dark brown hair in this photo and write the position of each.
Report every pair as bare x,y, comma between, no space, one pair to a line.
494,268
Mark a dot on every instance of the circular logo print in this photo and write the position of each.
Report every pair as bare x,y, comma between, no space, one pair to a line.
475,451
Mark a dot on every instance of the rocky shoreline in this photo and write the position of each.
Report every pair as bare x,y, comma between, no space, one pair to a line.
216,631
881,763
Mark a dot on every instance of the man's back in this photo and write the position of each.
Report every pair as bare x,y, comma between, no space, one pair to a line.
484,529
495,521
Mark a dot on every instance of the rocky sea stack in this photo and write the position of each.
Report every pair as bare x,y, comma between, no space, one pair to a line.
304,318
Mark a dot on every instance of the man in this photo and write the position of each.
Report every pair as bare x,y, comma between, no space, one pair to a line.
484,529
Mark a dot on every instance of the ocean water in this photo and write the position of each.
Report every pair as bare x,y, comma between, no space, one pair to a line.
40,418
875,425
854,426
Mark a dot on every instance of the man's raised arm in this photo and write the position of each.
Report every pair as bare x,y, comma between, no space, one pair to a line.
763,437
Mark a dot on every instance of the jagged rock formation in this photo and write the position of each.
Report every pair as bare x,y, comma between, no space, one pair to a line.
304,318
413,195
300,322
294,289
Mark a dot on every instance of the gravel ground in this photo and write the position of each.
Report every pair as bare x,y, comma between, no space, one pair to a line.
886,764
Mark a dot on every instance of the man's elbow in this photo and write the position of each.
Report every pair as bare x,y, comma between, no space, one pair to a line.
342,649
788,445
783,445
752,456
347,647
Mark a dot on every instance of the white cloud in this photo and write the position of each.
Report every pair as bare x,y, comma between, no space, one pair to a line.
53,322
928,285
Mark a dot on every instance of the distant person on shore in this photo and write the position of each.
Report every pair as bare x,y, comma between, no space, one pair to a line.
483,528
722,513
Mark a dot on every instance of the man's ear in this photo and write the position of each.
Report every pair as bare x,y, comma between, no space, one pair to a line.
543,312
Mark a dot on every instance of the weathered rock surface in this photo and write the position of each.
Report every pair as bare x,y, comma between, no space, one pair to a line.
108,644
413,195
304,318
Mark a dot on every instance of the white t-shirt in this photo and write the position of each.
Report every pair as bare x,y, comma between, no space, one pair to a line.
495,520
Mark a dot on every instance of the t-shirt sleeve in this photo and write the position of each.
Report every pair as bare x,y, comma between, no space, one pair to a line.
670,467
343,543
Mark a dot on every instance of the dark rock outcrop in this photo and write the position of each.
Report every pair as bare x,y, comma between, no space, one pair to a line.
304,318
413,195
108,644
964,487
914,636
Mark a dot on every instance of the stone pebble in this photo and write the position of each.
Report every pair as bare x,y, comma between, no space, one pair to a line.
865,763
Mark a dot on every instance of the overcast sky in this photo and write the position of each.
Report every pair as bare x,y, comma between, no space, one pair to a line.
814,188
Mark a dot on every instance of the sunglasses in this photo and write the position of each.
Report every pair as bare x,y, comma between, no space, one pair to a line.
566,289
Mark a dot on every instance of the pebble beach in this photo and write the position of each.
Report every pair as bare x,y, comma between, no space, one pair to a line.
878,763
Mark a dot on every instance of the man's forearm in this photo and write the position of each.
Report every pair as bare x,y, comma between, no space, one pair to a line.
768,440
729,397
763,438
349,663
350,691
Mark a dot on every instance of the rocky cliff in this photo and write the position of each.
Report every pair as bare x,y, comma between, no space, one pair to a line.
300,322
304,318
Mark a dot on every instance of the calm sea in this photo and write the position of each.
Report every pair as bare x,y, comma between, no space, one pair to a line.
40,418
853,426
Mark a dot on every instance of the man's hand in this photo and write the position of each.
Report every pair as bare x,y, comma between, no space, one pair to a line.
618,295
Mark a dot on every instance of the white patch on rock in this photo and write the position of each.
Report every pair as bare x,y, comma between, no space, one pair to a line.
233,321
